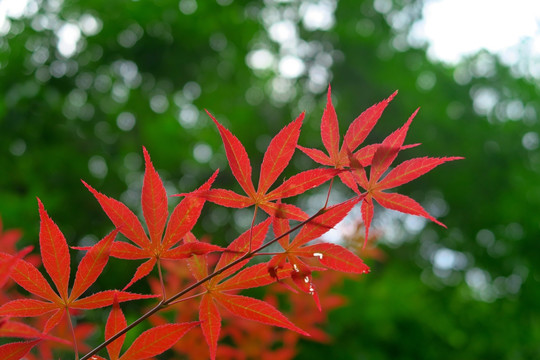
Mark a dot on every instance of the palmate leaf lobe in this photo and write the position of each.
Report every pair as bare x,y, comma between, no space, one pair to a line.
163,236
53,248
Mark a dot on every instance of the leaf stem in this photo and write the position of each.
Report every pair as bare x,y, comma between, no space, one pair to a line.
75,348
163,294
251,228
187,298
329,190
165,303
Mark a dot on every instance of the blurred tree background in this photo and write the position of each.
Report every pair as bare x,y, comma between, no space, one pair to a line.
85,84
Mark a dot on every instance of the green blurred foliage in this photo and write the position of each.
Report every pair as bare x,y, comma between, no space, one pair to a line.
142,73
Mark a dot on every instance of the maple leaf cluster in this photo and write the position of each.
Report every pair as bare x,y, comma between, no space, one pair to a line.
203,279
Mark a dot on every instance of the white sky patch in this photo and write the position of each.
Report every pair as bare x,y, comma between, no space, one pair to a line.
456,28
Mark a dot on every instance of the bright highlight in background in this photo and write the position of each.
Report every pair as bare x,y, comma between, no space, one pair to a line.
456,28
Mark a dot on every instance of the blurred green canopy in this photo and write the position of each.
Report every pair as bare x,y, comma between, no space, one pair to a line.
86,84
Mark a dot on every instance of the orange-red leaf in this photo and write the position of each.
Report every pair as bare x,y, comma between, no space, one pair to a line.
237,157
285,211
154,201
189,249
197,264
257,310
226,198
324,222
106,298
210,323
186,214
367,216
279,153
7,264
54,252
28,277
388,150
363,124
410,170
336,257
143,270
92,265
123,218
254,276
115,322
156,340
316,155
17,329
26,307
302,182
330,128
403,204
240,246
124,250
16,351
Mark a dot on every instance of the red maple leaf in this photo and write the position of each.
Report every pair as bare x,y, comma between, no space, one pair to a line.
276,158
220,289
401,174
6,265
56,260
332,256
357,132
154,204
150,343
